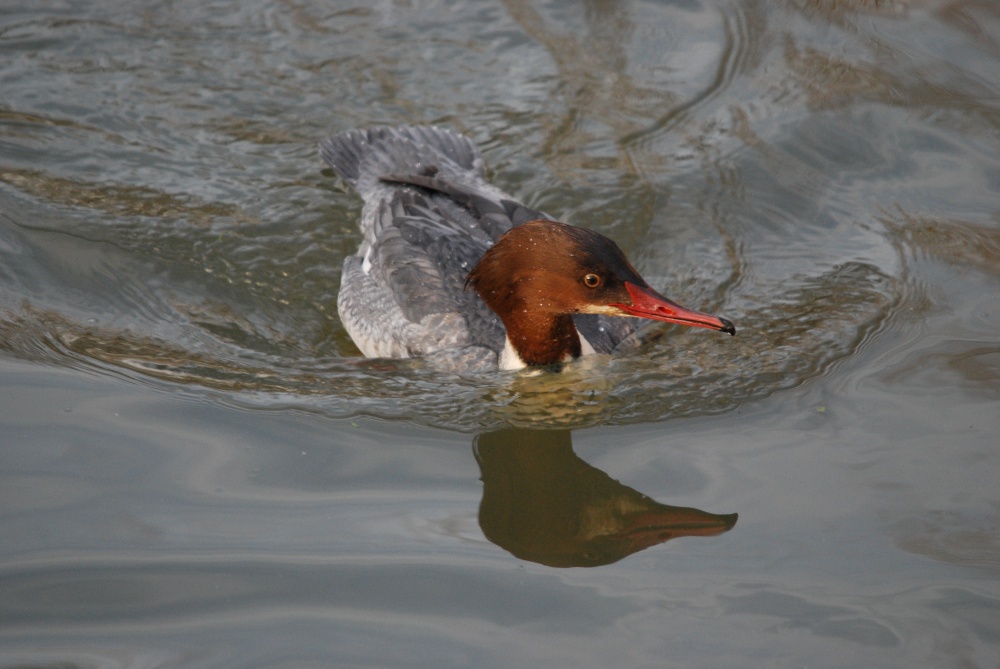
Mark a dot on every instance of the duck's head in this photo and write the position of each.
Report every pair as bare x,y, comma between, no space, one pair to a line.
542,270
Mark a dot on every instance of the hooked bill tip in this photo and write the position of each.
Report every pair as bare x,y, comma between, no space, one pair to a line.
728,326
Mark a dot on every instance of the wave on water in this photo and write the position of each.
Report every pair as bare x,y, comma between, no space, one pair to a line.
240,342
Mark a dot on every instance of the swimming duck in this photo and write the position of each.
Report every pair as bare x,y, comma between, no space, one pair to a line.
454,269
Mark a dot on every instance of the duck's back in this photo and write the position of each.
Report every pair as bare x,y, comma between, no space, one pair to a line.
428,218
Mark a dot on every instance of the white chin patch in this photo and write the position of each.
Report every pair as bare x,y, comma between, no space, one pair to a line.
605,309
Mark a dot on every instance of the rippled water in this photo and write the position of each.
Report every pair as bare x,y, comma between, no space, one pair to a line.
198,468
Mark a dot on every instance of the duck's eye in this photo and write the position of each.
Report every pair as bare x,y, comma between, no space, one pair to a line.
592,280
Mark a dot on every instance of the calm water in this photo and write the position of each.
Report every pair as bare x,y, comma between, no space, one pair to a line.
197,470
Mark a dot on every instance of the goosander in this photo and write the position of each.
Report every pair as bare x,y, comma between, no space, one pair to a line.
453,269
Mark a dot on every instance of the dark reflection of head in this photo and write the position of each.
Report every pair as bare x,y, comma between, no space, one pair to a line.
544,504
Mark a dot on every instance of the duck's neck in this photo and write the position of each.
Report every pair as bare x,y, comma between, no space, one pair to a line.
542,340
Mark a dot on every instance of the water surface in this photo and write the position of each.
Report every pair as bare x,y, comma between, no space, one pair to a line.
198,469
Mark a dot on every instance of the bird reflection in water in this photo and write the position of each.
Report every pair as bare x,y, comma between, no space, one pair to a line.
544,504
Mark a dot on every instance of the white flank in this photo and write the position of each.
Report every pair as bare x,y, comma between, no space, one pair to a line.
585,347
509,359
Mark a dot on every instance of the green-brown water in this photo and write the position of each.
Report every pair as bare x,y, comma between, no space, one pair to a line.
197,470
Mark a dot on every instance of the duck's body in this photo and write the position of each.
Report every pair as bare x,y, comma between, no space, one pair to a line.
453,268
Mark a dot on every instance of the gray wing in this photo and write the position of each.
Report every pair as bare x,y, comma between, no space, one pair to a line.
424,252
495,212
406,296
